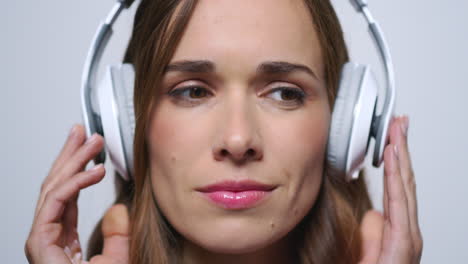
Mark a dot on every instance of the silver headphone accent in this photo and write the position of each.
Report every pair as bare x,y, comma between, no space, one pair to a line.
351,134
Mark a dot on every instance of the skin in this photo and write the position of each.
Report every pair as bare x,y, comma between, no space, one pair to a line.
237,112
195,144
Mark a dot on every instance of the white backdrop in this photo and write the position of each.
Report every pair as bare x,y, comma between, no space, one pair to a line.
44,43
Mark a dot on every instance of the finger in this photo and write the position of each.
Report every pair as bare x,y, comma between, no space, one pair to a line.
115,229
409,181
385,184
55,201
396,242
75,139
70,215
73,251
77,162
397,202
70,222
385,199
74,164
371,234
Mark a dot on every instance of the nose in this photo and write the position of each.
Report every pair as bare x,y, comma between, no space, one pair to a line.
237,149
240,139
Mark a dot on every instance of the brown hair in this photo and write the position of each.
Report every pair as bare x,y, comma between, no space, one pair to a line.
328,234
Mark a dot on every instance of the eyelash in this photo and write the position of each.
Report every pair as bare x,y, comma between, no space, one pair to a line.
178,94
299,94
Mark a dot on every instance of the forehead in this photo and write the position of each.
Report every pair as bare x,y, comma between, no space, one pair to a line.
249,32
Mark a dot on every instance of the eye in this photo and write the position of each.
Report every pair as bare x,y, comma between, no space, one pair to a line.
287,95
190,94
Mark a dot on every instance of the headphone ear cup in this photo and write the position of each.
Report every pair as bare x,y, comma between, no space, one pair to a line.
118,116
126,75
352,116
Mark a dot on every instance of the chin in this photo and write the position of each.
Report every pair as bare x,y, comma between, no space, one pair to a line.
227,246
237,237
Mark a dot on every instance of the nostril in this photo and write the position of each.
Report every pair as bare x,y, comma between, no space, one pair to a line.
240,156
250,153
224,153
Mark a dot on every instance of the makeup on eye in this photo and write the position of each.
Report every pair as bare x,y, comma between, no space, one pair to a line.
192,91
288,94
281,93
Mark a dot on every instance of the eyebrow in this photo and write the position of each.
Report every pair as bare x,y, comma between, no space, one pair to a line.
196,66
281,67
269,67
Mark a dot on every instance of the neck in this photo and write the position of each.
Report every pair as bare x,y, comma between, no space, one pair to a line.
282,251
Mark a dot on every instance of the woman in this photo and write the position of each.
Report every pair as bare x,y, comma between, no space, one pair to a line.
233,102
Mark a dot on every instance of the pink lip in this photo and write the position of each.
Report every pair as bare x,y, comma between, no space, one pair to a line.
237,194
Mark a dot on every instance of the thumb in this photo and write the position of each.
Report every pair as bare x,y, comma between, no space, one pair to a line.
371,234
115,229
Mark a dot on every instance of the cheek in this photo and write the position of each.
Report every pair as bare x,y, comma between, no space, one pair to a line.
176,141
174,146
301,153
180,155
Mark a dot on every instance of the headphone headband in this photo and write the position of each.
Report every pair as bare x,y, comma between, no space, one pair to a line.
379,124
91,119
127,3
358,4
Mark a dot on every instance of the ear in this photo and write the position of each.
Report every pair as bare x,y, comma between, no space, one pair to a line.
371,233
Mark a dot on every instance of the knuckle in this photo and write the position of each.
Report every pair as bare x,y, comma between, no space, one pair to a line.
411,183
45,185
403,235
76,185
28,249
418,245
49,182
48,195
27,246
83,156
46,188
51,195
406,239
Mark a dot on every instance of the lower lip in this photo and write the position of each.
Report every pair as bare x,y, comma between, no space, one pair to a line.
237,200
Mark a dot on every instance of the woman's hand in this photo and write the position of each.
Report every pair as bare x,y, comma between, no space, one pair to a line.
394,237
53,237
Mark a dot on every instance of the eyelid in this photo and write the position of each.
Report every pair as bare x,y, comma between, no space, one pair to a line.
178,93
190,83
301,93
278,87
275,85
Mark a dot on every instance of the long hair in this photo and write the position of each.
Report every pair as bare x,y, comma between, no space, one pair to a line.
329,233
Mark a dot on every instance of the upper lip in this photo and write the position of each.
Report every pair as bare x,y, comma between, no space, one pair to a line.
237,186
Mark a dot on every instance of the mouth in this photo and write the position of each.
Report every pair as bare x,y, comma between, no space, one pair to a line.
237,195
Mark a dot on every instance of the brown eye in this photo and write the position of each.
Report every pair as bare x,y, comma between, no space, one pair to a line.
197,92
286,94
289,95
191,95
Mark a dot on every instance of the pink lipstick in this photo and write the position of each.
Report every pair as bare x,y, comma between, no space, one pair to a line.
237,194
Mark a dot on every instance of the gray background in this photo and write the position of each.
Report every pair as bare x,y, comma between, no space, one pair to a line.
44,43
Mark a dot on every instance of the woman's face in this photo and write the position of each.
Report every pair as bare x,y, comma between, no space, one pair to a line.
238,133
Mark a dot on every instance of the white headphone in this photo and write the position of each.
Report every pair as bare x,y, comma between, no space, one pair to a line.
354,118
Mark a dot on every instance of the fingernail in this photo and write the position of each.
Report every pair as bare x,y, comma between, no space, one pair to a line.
77,258
97,167
395,151
404,125
75,245
91,139
73,131
67,251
